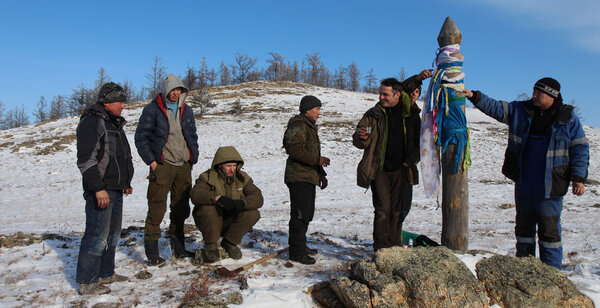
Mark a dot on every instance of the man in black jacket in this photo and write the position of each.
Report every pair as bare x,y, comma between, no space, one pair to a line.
104,159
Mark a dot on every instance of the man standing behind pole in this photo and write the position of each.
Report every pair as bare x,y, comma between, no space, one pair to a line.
104,159
389,135
303,171
547,149
226,204
166,140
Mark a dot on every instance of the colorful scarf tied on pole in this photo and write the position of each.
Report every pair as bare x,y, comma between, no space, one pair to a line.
444,121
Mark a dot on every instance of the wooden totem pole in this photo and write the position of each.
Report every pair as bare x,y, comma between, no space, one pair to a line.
444,127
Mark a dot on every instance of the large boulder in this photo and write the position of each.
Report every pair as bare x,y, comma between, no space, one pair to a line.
410,277
435,277
527,282
432,277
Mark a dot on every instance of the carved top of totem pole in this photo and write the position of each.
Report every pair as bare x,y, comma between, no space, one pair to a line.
449,34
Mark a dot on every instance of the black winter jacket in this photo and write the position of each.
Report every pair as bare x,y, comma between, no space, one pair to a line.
103,153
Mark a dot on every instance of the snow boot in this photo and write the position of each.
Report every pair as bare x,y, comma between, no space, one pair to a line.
113,278
93,288
178,248
232,250
151,249
211,253
304,259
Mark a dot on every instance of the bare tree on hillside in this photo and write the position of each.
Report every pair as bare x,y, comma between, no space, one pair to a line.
2,116
201,101
102,78
80,99
211,77
353,76
244,65
225,74
156,78
41,110
57,108
370,82
314,65
202,74
577,110
293,73
190,79
234,72
339,78
130,92
402,74
276,67
324,79
316,72
523,97
16,118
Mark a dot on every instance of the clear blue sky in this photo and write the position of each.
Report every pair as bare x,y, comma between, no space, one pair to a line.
51,47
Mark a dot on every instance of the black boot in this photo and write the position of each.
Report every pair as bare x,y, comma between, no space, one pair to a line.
151,249
178,248
233,251
211,253
304,259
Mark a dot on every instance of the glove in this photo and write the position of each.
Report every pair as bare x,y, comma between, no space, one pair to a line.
323,182
476,97
231,205
424,241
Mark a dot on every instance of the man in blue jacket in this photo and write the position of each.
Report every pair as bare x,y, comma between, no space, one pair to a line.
104,159
547,150
166,140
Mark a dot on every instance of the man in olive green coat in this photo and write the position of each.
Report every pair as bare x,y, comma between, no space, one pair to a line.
389,134
303,171
226,204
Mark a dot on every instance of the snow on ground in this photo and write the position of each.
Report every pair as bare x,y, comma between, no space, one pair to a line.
40,193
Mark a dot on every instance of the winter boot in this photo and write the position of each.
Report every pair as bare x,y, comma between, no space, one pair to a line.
304,259
311,251
232,250
211,253
113,278
93,288
151,249
178,248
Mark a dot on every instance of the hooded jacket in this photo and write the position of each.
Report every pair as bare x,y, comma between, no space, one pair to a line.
103,153
153,128
301,142
213,182
567,156
374,147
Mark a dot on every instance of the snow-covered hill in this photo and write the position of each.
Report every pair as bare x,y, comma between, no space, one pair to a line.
40,193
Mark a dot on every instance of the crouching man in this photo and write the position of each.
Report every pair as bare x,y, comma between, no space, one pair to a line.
226,204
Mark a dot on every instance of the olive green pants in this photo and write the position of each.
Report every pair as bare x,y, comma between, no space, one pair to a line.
165,179
231,226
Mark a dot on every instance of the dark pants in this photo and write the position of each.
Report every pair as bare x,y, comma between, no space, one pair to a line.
230,226
392,197
102,232
533,210
176,180
302,199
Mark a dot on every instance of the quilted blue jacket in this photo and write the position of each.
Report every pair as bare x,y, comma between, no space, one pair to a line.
567,157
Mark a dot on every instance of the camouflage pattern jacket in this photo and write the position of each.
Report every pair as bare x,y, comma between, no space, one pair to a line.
301,142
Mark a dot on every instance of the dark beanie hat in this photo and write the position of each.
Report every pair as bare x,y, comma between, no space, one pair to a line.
111,92
549,86
309,102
